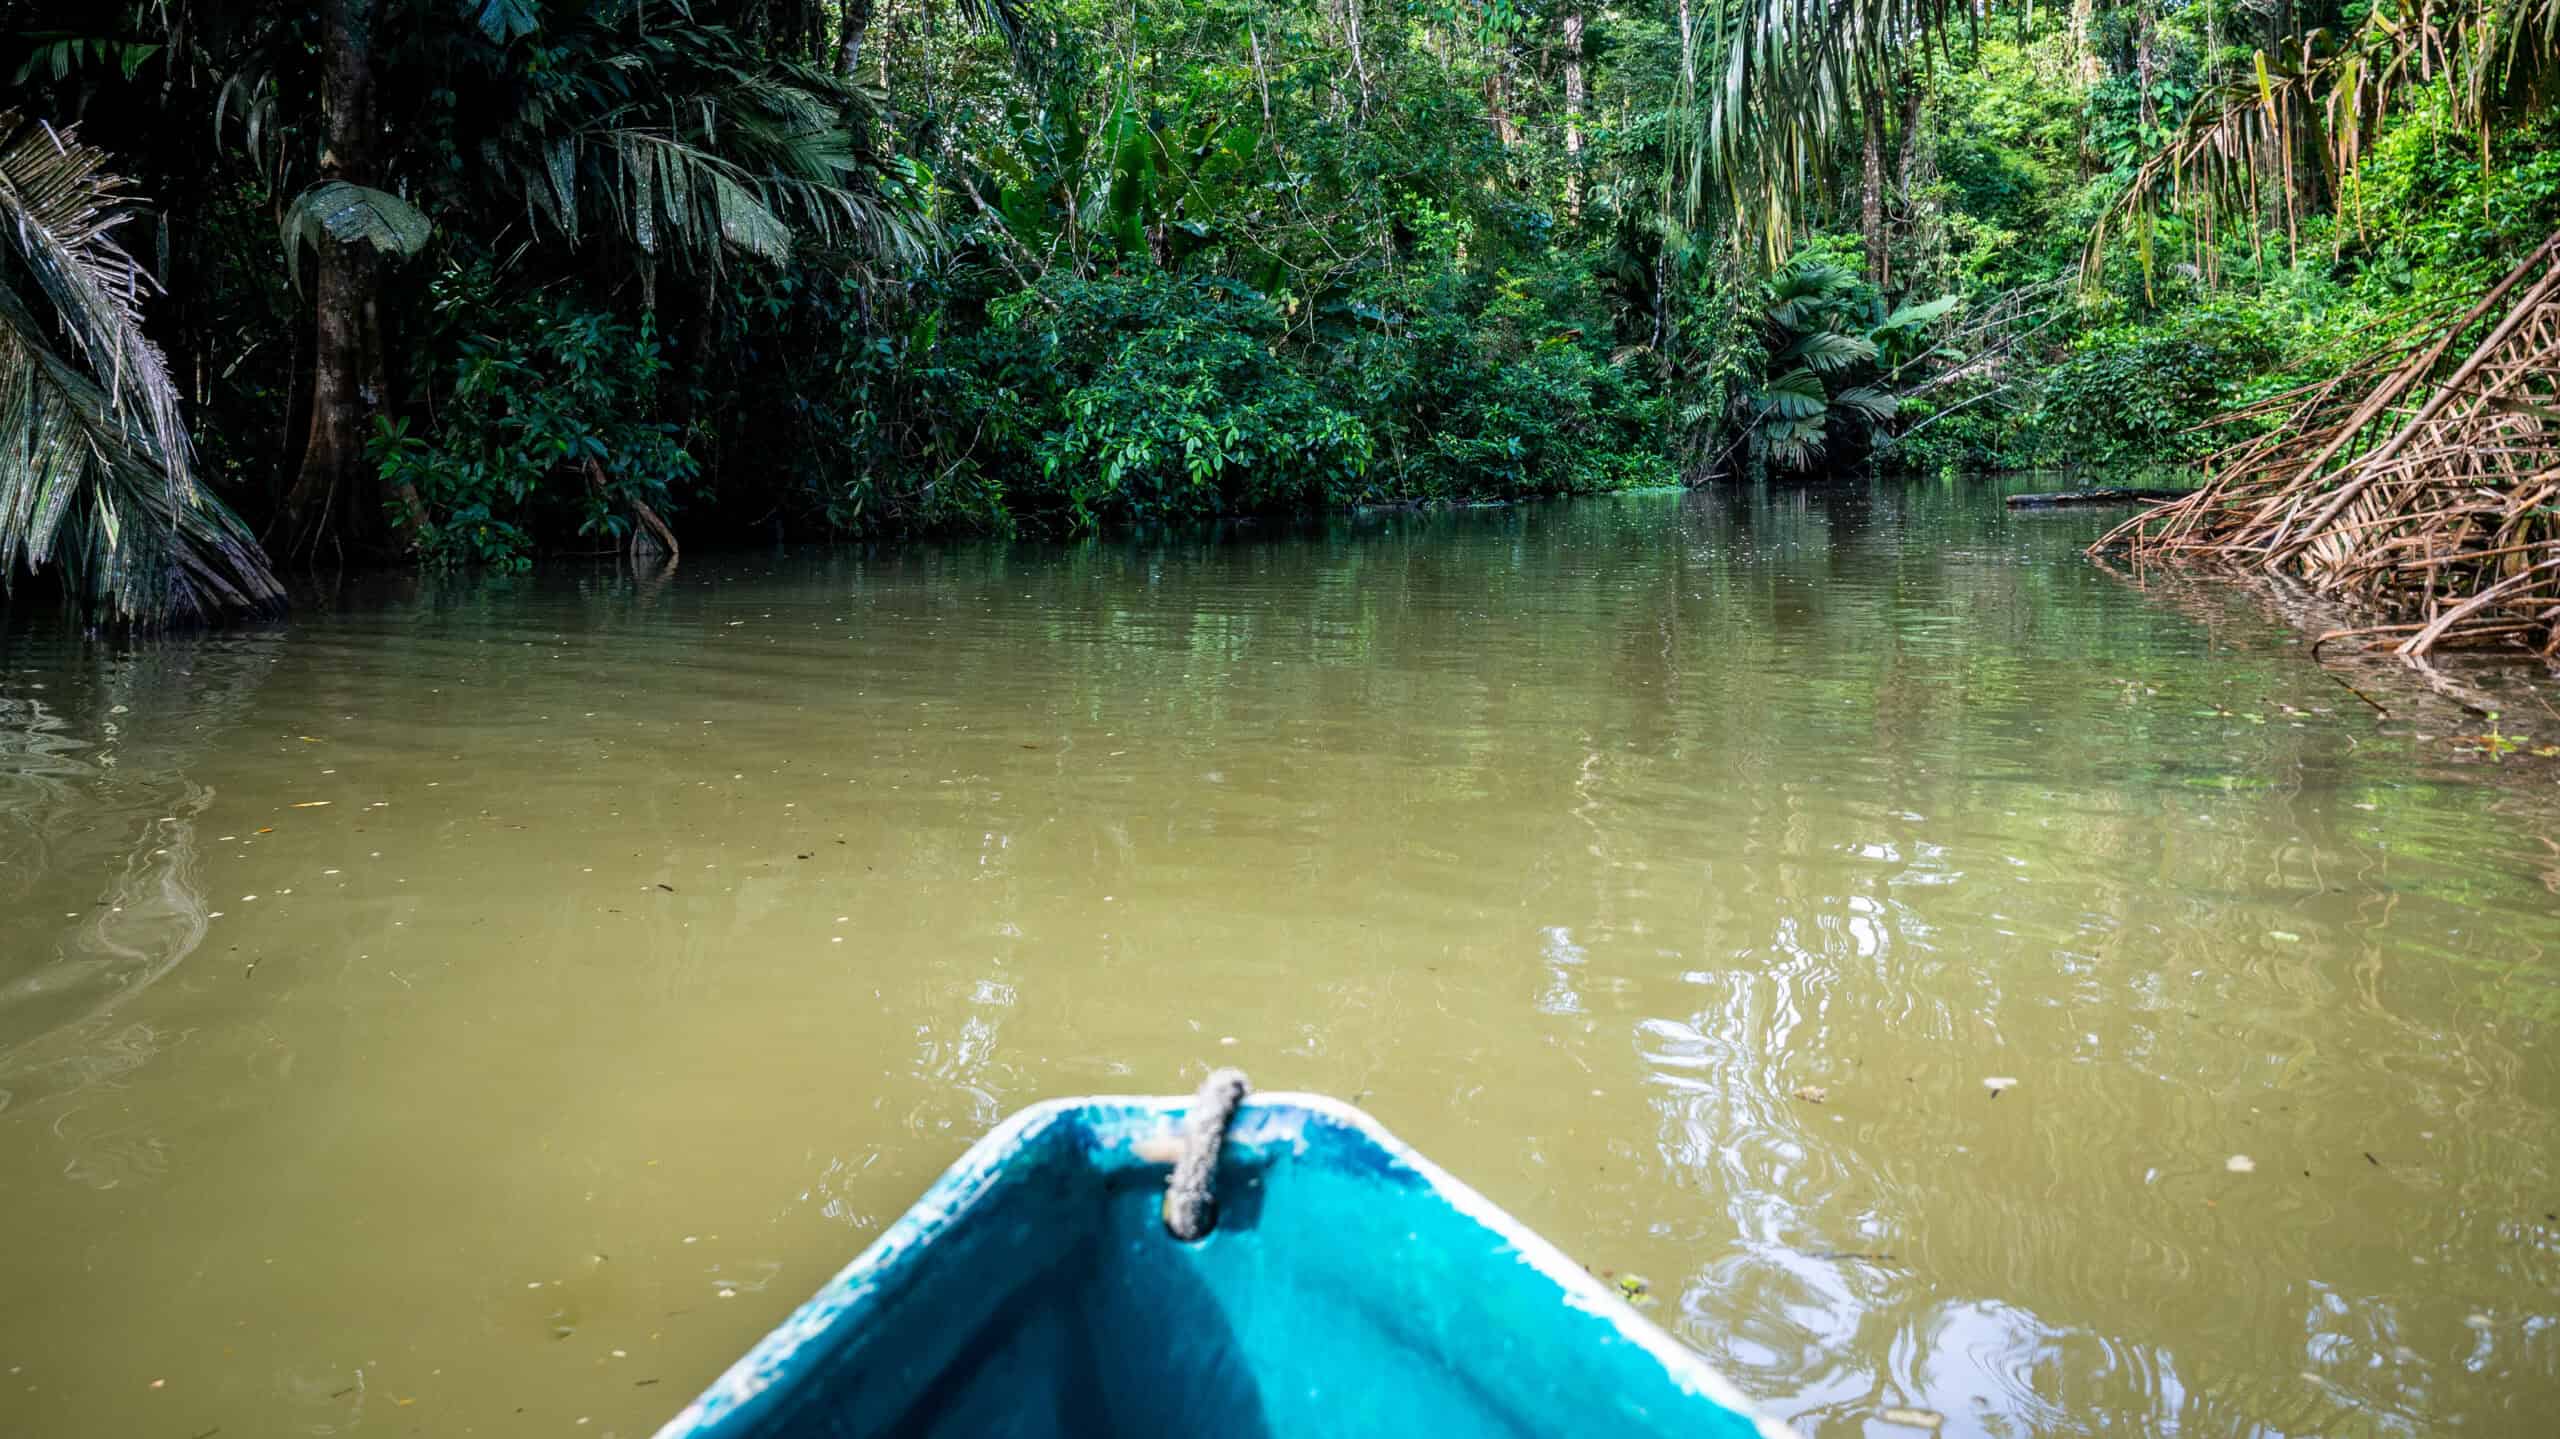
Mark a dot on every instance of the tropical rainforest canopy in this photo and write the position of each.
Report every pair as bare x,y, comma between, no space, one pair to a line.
472,282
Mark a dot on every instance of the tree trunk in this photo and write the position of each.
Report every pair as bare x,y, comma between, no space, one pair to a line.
1871,194
1347,13
329,497
2143,66
1574,98
1923,247
857,23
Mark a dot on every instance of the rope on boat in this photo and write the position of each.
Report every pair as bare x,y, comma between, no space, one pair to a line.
1190,1208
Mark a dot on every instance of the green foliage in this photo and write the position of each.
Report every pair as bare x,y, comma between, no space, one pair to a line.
548,413
1826,358
334,211
96,470
2136,394
1147,261
1490,385
1184,410
2422,204
685,139
1144,396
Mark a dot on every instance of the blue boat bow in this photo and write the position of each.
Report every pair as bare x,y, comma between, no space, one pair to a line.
1350,1287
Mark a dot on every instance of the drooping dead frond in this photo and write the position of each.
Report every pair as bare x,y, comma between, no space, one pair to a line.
95,466
2423,481
2316,105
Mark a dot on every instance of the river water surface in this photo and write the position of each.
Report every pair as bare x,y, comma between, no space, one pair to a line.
1952,977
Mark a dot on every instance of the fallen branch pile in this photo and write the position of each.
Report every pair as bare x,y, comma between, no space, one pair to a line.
2422,481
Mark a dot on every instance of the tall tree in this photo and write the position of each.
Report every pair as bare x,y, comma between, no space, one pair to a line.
328,495
856,25
1576,96
1871,184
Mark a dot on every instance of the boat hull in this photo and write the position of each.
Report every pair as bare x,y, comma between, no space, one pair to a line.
1350,1288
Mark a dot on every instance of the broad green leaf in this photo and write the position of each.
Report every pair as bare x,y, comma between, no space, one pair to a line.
347,214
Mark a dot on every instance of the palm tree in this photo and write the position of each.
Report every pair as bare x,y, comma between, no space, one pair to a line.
1765,86
1826,343
96,472
646,142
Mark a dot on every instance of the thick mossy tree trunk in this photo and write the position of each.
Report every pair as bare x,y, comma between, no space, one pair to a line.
332,501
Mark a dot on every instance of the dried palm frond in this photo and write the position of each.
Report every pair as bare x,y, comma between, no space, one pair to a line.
2325,96
2423,481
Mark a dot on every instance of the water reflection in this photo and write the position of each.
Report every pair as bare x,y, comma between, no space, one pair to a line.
1677,871
100,853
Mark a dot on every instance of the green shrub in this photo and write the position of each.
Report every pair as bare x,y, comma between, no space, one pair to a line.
1195,416
1490,386
2134,394
551,408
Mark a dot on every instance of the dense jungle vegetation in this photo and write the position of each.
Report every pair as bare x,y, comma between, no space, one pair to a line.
474,282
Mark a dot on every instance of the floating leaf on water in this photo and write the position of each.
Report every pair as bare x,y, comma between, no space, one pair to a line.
1912,1418
2284,936
1633,1286
1813,1094
2240,1164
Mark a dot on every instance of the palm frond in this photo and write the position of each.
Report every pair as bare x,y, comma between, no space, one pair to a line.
58,204
1795,395
1874,405
1766,84
1827,351
505,20
1918,313
347,214
749,164
95,467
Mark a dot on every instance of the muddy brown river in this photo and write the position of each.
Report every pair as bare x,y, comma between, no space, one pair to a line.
1951,977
